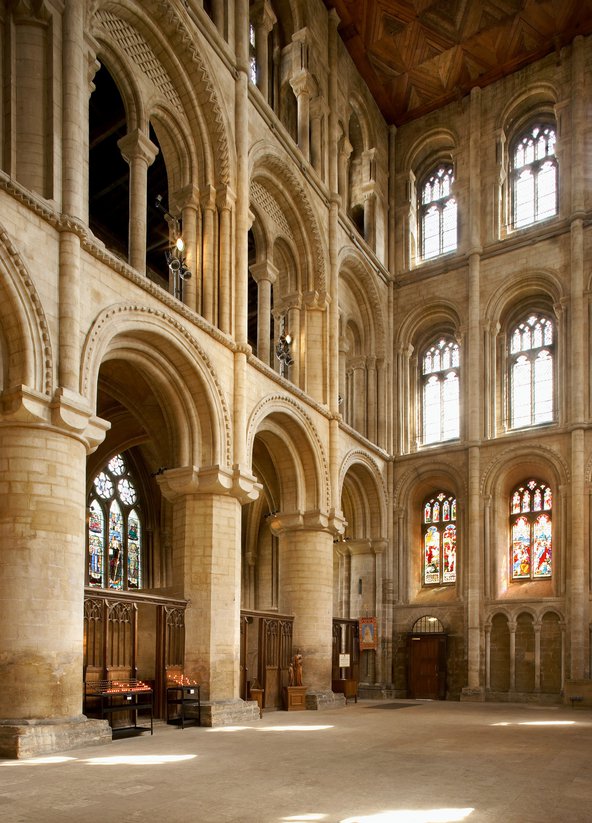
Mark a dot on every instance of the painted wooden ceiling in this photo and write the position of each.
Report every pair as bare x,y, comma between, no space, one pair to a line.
418,55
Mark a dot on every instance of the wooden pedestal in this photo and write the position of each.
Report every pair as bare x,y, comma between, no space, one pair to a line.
257,694
349,688
295,698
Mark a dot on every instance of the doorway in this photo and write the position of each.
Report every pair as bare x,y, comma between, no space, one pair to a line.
426,660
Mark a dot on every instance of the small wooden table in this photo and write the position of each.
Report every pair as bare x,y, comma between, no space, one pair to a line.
183,696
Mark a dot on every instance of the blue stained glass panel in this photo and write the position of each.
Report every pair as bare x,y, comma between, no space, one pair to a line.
115,547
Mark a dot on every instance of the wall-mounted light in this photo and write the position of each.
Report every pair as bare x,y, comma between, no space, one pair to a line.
175,255
282,349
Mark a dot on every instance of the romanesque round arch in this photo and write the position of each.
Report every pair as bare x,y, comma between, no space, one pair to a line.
24,331
353,272
160,345
297,444
360,475
272,169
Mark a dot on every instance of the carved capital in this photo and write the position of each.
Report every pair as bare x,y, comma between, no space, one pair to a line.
66,411
213,480
137,146
262,16
264,271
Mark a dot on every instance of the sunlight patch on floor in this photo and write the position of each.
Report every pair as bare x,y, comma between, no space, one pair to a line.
38,761
138,759
413,816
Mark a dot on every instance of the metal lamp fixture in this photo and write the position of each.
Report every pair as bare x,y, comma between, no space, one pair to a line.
175,255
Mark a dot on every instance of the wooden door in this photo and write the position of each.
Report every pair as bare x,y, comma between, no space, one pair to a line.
426,660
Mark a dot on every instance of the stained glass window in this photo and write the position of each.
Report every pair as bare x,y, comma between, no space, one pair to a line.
441,393
438,213
439,539
530,528
531,372
114,529
534,176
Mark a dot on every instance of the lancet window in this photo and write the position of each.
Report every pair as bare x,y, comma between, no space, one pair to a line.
440,391
439,539
115,530
438,213
532,372
530,527
534,176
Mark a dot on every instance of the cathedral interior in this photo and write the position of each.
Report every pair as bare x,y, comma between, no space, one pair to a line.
295,342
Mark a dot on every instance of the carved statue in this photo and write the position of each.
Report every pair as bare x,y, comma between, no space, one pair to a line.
297,664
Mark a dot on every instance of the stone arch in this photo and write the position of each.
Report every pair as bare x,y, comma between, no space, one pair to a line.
410,494
179,77
426,322
296,455
529,285
499,623
182,380
509,468
524,103
26,356
272,170
355,274
363,496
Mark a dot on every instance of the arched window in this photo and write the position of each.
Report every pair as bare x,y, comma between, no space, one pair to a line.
252,55
534,176
440,391
531,372
439,539
530,527
115,533
438,213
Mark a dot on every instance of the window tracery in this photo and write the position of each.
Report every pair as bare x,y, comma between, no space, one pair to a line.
531,533
440,392
532,372
438,213
534,176
439,539
115,531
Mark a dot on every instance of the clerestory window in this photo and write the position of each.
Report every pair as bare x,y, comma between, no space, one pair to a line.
531,372
534,176
438,213
440,392
439,539
530,527
115,533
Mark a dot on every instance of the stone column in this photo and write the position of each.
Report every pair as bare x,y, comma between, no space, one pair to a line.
359,406
512,628
218,15
537,655
208,254
370,217
265,275
42,569
31,142
225,203
263,20
578,590
302,85
139,152
306,591
473,578
187,201
345,150
207,571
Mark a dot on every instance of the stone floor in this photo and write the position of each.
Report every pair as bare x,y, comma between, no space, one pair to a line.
391,762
